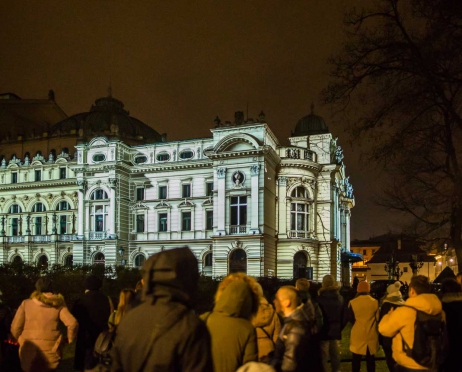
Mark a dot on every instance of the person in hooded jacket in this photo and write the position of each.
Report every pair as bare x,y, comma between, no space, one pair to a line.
364,339
36,326
267,325
92,311
163,333
333,310
392,300
234,341
399,324
452,305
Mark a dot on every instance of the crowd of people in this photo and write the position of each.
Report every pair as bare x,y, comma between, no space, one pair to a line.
154,327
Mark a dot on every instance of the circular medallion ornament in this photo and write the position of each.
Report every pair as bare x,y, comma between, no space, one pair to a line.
238,178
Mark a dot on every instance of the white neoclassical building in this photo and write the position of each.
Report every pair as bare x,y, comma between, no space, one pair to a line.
114,191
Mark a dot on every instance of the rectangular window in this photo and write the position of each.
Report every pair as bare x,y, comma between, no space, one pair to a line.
162,221
140,223
364,252
14,226
209,220
62,225
62,173
209,189
405,269
99,222
140,193
14,177
186,221
38,226
186,190
162,192
38,175
238,210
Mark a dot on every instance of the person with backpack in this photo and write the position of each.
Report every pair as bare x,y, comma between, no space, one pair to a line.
267,325
163,333
364,339
392,300
417,329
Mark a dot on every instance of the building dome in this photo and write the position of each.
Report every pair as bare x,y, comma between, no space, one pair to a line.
107,117
310,124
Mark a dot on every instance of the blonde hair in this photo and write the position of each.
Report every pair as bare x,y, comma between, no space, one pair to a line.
255,288
125,299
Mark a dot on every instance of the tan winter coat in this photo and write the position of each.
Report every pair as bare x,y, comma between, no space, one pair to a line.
364,333
268,326
36,327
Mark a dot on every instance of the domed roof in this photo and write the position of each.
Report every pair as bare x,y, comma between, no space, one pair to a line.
310,124
107,117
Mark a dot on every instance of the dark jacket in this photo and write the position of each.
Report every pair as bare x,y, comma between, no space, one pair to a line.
234,340
163,333
312,310
333,312
92,313
290,353
452,306
389,302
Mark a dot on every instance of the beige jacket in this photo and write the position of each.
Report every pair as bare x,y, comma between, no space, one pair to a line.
267,323
36,327
364,332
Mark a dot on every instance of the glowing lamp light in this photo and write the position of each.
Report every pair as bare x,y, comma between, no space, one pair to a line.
451,260
440,263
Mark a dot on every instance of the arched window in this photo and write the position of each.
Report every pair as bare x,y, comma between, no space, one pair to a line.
99,195
99,259
69,260
38,207
42,262
301,269
238,261
299,213
207,267
17,260
15,209
63,206
139,260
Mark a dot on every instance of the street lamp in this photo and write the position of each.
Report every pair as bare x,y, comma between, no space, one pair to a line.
415,264
121,254
392,267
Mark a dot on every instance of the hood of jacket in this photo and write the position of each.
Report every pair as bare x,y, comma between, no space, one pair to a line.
171,275
332,291
50,299
264,315
394,298
235,301
426,302
451,297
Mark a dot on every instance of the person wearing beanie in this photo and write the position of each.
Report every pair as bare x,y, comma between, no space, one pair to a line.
392,300
36,327
333,310
92,311
364,338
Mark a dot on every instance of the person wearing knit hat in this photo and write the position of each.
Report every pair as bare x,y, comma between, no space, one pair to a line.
392,300
92,311
364,338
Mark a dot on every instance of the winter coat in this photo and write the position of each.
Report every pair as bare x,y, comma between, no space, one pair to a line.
391,301
333,309
162,333
291,353
400,324
36,327
363,313
268,326
234,340
92,312
452,306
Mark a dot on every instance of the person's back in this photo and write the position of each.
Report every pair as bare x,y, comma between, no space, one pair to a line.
268,326
163,333
234,340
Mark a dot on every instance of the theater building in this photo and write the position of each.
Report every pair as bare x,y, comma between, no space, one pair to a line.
103,187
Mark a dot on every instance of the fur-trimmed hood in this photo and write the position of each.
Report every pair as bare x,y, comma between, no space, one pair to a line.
331,288
451,297
50,299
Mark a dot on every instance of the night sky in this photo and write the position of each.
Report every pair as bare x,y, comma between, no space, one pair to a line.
178,64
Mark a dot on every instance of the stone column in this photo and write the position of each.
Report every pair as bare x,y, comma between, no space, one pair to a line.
254,193
282,207
81,211
221,200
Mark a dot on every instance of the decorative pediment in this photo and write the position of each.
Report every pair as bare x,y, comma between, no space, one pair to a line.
209,201
14,161
162,204
138,205
186,204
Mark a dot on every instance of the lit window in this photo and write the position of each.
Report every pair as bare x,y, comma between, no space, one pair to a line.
299,213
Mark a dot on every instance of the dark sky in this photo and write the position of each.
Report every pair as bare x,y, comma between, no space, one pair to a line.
178,64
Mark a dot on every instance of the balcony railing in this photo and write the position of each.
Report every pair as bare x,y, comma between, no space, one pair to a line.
97,235
297,153
238,229
41,238
66,237
299,234
15,239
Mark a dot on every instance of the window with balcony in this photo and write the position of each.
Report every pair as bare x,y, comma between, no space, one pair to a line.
38,224
186,190
14,227
140,223
38,175
98,217
162,192
62,173
62,228
209,220
299,213
209,189
186,221
14,177
140,193
238,207
163,222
